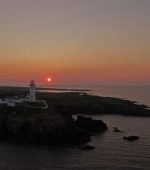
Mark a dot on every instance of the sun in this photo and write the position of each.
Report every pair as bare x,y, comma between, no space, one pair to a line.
49,79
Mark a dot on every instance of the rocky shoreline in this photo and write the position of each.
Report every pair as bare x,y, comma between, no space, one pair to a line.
50,128
83,103
56,125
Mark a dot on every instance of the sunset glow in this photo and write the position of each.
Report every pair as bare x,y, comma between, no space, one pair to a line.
78,42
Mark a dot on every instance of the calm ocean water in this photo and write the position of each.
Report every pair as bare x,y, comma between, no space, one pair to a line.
140,94
111,151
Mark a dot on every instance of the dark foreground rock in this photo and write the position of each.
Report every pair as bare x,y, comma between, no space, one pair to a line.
131,138
44,127
117,130
87,147
91,125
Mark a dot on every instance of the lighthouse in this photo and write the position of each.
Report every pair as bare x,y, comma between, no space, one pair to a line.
32,94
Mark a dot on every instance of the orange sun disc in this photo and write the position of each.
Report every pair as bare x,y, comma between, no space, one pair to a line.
49,79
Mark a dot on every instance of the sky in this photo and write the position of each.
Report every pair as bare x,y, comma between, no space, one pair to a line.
75,41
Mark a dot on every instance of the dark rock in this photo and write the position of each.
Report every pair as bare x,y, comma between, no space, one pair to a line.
75,135
117,130
87,147
131,138
46,127
91,125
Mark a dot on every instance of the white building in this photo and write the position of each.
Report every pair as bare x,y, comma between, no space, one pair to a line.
28,101
32,93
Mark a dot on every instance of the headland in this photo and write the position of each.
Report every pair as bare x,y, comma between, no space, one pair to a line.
55,125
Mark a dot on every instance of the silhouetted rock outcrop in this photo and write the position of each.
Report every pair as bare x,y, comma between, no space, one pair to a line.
91,125
87,147
27,125
117,130
131,138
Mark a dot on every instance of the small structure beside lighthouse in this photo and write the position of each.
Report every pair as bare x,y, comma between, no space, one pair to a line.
32,92
28,101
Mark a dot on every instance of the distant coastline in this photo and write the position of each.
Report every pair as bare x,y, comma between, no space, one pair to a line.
64,89
45,88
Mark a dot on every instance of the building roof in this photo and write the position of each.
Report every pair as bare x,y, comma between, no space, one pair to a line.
32,83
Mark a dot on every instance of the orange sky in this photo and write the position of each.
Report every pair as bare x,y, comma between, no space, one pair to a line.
75,42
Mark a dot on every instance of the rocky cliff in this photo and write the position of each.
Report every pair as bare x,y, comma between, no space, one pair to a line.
46,127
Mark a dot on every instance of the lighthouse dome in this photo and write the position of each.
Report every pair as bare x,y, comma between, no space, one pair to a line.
32,83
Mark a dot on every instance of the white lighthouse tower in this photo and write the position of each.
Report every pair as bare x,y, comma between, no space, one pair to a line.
32,94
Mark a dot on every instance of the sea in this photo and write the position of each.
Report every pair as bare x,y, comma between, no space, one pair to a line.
111,152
